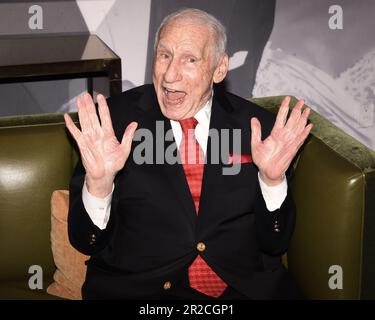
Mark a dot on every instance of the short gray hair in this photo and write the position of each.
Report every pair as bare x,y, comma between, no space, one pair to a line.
200,17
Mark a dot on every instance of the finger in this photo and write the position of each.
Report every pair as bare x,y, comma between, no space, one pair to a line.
128,136
91,111
305,133
83,116
302,121
283,112
256,132
291,149
104,114
74,131
302,137
81,140
295,115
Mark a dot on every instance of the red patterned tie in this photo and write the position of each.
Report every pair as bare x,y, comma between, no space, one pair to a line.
201,277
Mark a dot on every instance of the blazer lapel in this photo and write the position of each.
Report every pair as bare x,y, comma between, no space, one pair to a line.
221,119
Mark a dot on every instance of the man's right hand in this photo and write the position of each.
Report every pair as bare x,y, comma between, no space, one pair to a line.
102,154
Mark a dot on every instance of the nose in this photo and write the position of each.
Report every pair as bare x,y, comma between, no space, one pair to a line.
173,72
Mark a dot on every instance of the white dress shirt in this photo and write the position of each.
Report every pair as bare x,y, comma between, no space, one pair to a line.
99,208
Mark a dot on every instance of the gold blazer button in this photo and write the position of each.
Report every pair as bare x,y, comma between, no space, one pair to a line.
201,246
167,285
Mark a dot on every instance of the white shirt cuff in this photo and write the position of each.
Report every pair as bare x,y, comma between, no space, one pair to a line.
274,196
98,209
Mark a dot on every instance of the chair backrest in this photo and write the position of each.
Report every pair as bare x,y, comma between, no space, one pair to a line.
36,158
332,252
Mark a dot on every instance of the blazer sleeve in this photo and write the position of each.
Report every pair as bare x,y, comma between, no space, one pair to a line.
84,235
274,228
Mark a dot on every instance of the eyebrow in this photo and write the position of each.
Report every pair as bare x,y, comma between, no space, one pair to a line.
186,50
161,46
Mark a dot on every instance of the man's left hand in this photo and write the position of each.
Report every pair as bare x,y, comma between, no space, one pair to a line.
274,154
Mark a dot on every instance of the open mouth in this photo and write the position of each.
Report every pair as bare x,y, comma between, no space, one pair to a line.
173,97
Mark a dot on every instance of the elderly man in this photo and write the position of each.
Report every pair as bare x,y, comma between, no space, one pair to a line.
184,229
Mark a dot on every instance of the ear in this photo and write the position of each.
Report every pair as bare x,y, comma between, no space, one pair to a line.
221,69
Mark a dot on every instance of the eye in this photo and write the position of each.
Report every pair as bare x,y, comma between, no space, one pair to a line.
164,55
192,60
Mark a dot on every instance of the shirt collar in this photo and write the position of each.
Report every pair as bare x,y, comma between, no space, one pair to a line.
203,115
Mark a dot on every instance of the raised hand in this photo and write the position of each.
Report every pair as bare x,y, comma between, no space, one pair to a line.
102,154
274,154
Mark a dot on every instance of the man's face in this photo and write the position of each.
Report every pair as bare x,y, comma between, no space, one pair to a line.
184,69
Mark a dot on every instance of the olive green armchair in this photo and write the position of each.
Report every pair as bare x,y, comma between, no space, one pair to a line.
332,252
333,187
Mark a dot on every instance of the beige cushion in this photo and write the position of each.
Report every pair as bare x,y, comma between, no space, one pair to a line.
71,268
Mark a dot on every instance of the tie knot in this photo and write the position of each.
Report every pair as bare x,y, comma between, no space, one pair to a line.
188,124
